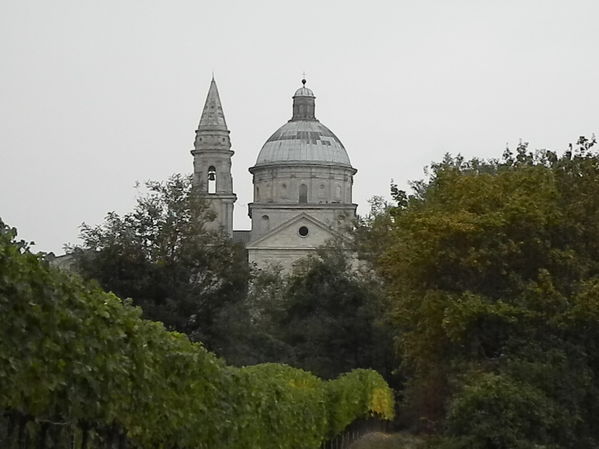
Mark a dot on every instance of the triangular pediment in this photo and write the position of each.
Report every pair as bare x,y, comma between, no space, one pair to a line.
289,234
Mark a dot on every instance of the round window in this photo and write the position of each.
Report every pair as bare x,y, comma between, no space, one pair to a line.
303,231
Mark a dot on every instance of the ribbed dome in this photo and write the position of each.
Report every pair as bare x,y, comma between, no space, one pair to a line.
303,92
303,141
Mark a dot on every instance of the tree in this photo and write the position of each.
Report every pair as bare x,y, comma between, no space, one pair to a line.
267,304
330,317
492,268
162,257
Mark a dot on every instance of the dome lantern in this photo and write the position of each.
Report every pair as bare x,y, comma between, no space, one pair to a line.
303,103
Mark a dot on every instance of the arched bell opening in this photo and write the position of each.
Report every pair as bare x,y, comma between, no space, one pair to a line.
211,179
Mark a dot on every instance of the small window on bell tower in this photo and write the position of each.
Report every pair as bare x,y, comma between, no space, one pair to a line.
211,179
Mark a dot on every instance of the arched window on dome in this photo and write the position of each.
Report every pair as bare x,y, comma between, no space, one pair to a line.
303,193
211,179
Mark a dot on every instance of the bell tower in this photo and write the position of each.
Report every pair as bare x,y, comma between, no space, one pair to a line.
212,162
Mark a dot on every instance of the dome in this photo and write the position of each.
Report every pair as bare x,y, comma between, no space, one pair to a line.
304,142
303,139
303,92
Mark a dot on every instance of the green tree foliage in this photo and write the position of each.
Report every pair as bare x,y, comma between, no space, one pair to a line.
267,304
331,318
371,234
163,258
324,316
80,367
495,410
493,267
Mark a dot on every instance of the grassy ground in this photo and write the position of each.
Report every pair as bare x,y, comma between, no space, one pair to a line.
378,440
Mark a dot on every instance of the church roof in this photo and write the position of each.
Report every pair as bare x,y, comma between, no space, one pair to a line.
213,118
303,139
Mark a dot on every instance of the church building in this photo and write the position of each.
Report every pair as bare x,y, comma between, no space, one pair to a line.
302,181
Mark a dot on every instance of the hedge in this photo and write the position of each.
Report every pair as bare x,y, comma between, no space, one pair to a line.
79,366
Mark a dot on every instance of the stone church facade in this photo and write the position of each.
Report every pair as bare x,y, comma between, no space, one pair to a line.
302,181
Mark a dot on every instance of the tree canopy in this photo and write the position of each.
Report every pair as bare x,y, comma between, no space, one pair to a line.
492,268
162,257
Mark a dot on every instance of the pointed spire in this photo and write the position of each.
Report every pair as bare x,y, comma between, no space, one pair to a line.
213,117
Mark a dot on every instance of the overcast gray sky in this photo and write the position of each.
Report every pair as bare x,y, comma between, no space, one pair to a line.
95,95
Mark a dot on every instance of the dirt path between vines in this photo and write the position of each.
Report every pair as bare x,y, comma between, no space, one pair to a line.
379,440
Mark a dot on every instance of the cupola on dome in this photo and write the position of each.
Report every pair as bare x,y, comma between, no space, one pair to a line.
303,140
304,92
